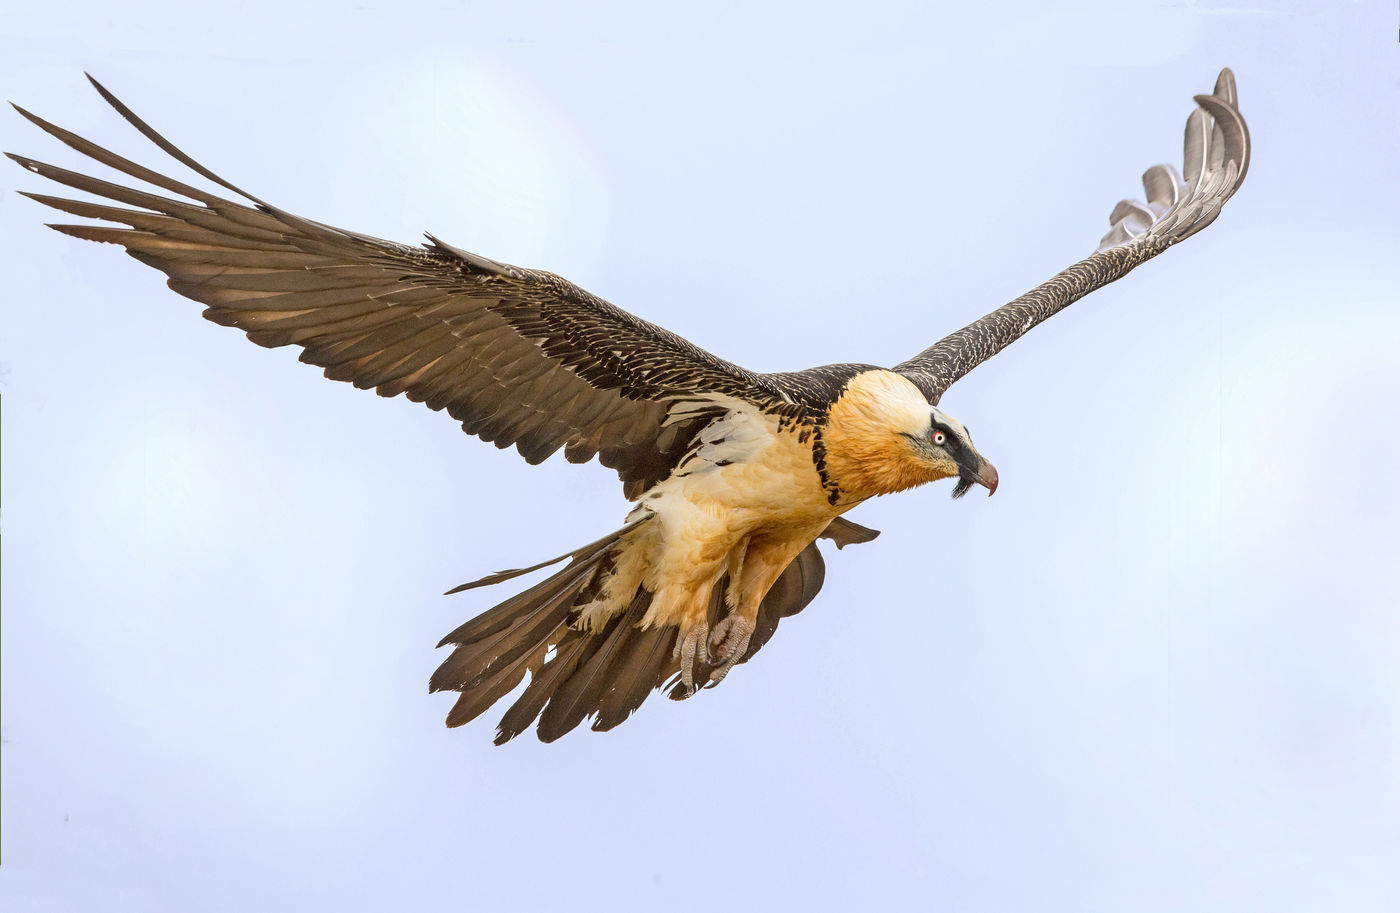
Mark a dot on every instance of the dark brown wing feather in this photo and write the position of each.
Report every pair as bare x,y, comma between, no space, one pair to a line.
520,357
581,694
574,649
606,674
1216,159
637,675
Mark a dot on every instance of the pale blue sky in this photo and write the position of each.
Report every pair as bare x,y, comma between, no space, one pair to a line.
1159,671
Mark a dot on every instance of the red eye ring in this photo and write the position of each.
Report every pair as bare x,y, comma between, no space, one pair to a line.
939,437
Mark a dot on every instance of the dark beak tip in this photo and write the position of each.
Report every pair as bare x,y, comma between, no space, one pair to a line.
988,477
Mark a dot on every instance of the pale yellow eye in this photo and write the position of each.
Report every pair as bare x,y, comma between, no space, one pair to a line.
939,438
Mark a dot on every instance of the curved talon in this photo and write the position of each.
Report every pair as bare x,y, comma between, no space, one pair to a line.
728,643
686,648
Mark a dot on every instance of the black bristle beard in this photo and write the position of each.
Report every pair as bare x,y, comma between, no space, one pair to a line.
963,487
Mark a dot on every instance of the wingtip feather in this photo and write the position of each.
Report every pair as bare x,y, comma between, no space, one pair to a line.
27,115
1225,87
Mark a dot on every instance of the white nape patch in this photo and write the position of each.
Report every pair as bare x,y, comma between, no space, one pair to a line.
885,402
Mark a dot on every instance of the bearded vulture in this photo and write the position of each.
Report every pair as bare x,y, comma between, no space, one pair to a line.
733,475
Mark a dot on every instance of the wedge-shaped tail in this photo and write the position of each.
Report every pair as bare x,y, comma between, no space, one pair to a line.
603,674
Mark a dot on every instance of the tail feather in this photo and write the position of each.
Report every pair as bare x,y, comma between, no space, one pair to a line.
603,673
537,622
585,553
507,613
575,647
579,695
478,697
639,674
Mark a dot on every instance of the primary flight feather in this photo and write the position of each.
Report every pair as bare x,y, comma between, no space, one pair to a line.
734,474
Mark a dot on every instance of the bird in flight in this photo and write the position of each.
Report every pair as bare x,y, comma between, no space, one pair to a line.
733,475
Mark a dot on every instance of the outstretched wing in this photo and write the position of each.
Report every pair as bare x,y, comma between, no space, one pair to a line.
518,356
1217,157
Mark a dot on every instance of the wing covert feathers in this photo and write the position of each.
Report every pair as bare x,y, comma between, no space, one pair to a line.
1215,160
520,357
524,358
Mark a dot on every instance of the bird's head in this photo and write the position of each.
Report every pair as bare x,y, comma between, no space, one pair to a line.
882,436
947,445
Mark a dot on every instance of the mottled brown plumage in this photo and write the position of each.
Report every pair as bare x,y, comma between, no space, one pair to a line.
735,474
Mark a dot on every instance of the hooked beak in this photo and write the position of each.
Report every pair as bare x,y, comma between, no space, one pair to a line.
986,476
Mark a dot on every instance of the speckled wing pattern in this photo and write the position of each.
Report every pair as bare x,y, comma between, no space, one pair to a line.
1216,159
520,357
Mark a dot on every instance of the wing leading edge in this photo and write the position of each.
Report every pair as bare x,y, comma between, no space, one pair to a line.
520,357
1215,161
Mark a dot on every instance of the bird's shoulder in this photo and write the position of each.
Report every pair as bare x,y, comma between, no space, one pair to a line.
817,389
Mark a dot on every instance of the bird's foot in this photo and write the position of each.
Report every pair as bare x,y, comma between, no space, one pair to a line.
729,641
690,645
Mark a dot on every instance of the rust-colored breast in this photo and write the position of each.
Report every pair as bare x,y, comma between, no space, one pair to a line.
867,450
